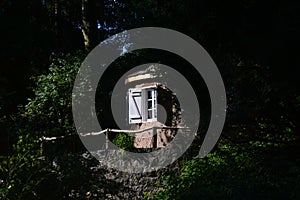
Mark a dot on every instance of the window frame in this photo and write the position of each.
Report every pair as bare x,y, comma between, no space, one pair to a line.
144,105
153,108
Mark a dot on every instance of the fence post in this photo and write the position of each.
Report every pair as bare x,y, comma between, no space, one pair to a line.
106,139
154,137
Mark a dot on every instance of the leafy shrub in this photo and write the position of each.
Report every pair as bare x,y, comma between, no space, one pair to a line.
50,110
233,172
25,169
124,141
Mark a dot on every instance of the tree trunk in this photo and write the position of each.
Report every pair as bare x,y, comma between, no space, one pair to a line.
89,24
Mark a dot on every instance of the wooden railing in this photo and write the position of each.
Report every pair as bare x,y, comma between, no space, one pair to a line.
108,131
72,141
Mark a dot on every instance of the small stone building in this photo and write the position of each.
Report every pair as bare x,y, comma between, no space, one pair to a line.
153,109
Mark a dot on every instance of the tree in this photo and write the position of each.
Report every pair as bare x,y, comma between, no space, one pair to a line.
89,24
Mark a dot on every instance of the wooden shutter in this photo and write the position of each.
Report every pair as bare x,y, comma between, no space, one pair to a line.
135,105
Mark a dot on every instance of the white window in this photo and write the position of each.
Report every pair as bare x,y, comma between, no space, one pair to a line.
142,105
151,105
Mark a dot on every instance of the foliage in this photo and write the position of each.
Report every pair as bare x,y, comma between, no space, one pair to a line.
24,170
235,171
27,174
124,141
50,109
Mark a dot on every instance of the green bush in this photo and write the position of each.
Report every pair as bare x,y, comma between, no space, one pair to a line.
25,170
247,171
124,141
50,110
